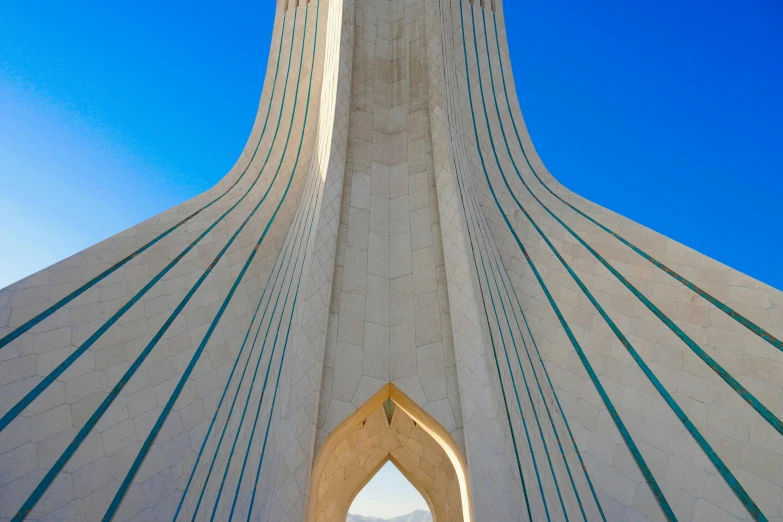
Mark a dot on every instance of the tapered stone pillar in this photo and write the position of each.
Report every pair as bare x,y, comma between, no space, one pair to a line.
389,233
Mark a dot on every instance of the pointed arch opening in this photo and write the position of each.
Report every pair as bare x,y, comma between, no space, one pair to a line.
389,427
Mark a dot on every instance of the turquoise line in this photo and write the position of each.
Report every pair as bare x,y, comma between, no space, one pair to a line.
236,397
231,375
513,383
92,282
560,407
271,357
494,350
549,414
239,355
499,264
249,393
249,396
706,448
233,402
85,430
516,349
516,393
170,404
274,399
277,382
747,323
52,376
527,388
770,417
239,385
543,397
532,366
508,324
228,384
241,380
524,318
505,400
605,398
554,394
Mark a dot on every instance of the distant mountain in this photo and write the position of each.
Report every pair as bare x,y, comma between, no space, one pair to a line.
416,516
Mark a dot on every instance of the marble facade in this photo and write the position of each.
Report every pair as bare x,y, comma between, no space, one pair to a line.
389,232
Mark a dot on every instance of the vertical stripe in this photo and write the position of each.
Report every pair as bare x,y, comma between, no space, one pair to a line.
497,366
181,384
92,282
770,417
455,119
604,397
52,376
541,433
747,323
87,428
709,452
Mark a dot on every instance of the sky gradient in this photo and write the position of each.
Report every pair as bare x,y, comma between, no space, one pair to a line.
668,113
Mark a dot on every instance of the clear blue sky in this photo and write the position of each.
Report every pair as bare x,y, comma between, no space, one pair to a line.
668,112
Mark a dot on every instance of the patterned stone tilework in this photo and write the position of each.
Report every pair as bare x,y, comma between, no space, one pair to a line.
288,477
368,447
390,318
254,494
719,415
485,435
159,355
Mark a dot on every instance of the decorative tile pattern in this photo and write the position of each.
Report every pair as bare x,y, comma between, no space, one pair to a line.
372,443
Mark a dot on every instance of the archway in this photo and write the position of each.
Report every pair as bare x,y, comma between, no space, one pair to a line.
389,426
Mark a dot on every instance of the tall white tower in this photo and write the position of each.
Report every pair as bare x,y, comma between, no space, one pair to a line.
389,272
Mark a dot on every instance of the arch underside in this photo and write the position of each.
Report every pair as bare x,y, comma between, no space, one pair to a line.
374,435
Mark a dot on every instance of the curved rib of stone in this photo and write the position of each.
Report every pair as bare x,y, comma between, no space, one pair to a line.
390,221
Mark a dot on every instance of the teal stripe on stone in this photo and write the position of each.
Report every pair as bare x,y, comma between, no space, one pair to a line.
239,385
52,376
770,417
519,362
744,321
513,383
519,307
233,403
233,369
16,333
183,380
654,487
272,408
500,270
230,378
508,323
93,420
492,343
304,241
703,444
87,428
